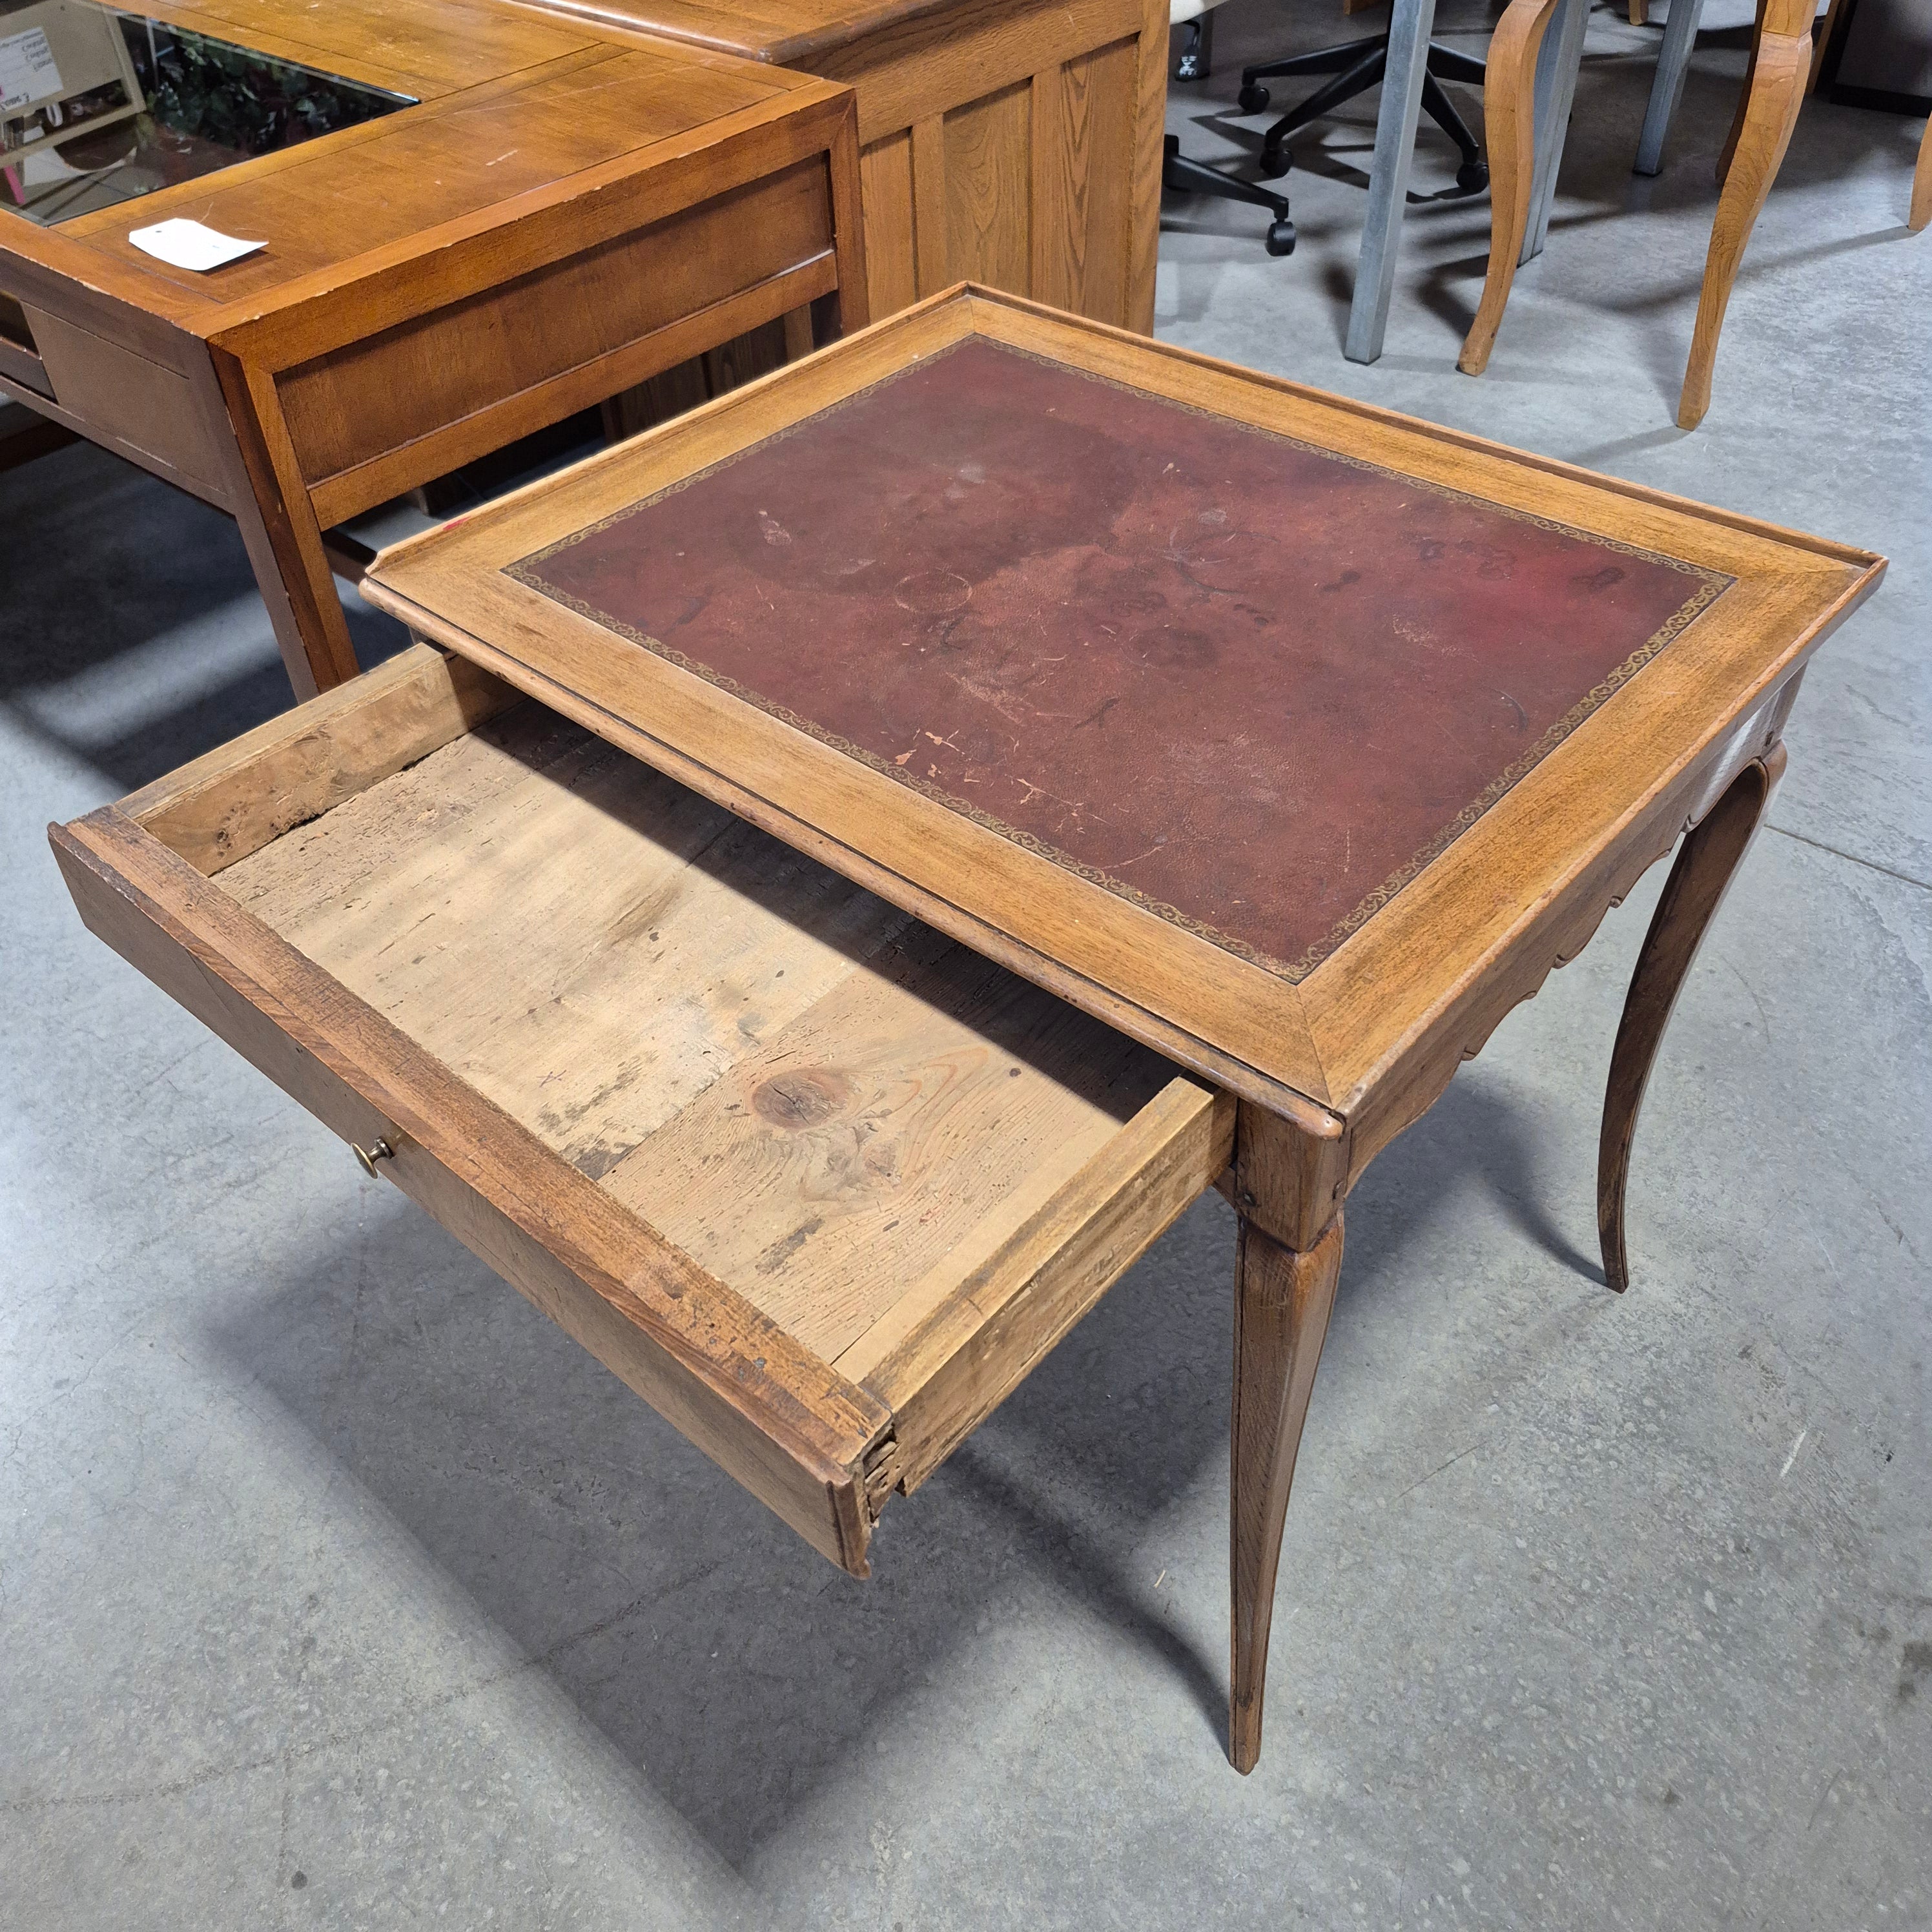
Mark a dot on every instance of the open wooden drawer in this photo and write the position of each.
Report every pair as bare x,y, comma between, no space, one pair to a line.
819,1184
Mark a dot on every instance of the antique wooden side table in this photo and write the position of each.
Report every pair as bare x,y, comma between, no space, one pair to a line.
500,219
1015,143
811,941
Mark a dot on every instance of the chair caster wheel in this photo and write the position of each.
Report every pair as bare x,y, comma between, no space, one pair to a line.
1472,177
1273,164
1281,238
1253,99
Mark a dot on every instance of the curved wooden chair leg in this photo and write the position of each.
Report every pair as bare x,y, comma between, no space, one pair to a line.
1771,105
1509,135
1283,1300
1737,127
1705,867
1922,185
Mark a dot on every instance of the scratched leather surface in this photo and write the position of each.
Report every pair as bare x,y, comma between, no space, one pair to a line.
1253,685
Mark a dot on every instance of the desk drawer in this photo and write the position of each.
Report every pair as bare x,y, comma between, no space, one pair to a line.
819,1184
388,410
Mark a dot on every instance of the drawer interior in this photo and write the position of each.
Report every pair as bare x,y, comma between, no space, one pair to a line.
817,1098
918,1167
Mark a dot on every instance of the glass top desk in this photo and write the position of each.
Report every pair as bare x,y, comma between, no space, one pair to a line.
812,940
101,106
474,221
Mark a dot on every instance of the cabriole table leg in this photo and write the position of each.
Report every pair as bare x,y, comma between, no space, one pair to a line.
1705,864
1282,1299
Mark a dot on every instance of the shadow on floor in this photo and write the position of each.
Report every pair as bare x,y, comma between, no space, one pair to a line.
734,1668
146,643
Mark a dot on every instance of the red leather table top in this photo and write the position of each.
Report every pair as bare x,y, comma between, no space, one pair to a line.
1253,686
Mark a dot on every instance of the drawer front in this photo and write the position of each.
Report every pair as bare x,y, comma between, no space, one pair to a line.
385,413
818,1185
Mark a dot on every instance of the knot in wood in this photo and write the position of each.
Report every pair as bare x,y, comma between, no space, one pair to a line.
806,1097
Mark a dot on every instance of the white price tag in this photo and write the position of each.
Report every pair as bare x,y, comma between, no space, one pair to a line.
187,244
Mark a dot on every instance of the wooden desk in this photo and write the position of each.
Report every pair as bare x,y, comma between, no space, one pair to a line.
1157,777
1014,143
558,217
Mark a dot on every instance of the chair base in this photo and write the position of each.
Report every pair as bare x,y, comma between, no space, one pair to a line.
1190,177
1197,51
1358,66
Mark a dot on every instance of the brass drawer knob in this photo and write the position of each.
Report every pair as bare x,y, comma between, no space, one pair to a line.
366,1157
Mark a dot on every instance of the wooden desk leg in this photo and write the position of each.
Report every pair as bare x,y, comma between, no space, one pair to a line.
1282,1299
1704,868
1922,185
1509,129
852,296
1774,93
284,538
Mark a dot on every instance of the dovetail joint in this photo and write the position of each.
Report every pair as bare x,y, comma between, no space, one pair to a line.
879,1474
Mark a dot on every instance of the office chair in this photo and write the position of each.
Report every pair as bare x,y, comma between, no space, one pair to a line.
1190,177
1358,66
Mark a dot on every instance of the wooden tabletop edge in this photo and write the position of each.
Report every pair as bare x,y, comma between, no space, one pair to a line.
1849,554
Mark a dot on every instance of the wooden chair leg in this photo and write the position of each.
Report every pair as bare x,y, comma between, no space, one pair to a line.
1922,185
1282,1299
1704,868
1737,126
1509,131
1776,92
1821,42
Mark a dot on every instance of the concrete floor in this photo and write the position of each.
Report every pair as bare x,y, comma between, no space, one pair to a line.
337,1588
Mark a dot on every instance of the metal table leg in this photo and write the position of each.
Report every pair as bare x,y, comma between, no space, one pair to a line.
1388,179
1558,63
1673,62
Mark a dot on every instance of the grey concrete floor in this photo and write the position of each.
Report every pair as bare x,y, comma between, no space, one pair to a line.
338,1589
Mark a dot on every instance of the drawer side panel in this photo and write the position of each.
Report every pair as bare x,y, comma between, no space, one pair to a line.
130,399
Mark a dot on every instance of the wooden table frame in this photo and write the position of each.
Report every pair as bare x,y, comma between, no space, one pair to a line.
296,399
1324,1073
